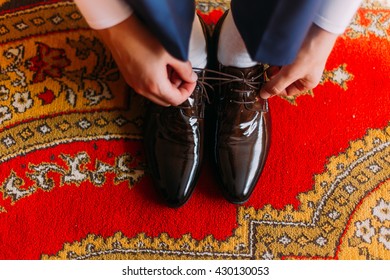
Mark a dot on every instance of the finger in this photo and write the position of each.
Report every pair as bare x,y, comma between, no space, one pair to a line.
165,93
292,90
176,96
147,93
272,71
156,100
186,89
175,79
296,88
172,88
173,76
173,94
178,93
184,70
276,85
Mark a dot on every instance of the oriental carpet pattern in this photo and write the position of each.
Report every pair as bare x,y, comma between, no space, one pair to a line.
73,180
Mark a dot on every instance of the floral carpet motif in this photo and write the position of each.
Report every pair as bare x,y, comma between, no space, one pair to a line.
73,180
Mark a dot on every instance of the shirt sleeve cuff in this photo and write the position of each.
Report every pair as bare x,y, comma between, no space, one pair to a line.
334,15
101,14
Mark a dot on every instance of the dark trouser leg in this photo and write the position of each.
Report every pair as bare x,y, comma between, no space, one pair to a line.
273,31
170,21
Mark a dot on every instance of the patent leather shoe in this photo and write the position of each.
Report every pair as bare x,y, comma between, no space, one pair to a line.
174,138
243,128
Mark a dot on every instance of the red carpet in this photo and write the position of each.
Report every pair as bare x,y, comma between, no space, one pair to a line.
72,170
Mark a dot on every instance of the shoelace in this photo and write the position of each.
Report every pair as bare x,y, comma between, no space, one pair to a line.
203,84
225,78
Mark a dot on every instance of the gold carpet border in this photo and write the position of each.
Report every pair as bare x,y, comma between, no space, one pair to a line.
49,132
368,234
41,20
312,231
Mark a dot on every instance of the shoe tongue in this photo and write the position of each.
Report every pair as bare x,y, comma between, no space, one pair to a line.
247,73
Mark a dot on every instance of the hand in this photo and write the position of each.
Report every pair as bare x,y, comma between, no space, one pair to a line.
146,66
306,71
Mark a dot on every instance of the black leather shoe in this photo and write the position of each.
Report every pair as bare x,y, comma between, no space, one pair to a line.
174,140
243,126
174,146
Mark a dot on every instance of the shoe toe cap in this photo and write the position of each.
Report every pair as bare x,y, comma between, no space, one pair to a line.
238,191
174,194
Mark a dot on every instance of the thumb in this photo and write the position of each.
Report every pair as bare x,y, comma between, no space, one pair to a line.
184,71
276,85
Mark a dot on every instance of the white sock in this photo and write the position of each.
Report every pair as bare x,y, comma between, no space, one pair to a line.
231,47
197,52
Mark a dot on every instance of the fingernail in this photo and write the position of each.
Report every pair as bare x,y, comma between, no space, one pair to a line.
194,77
